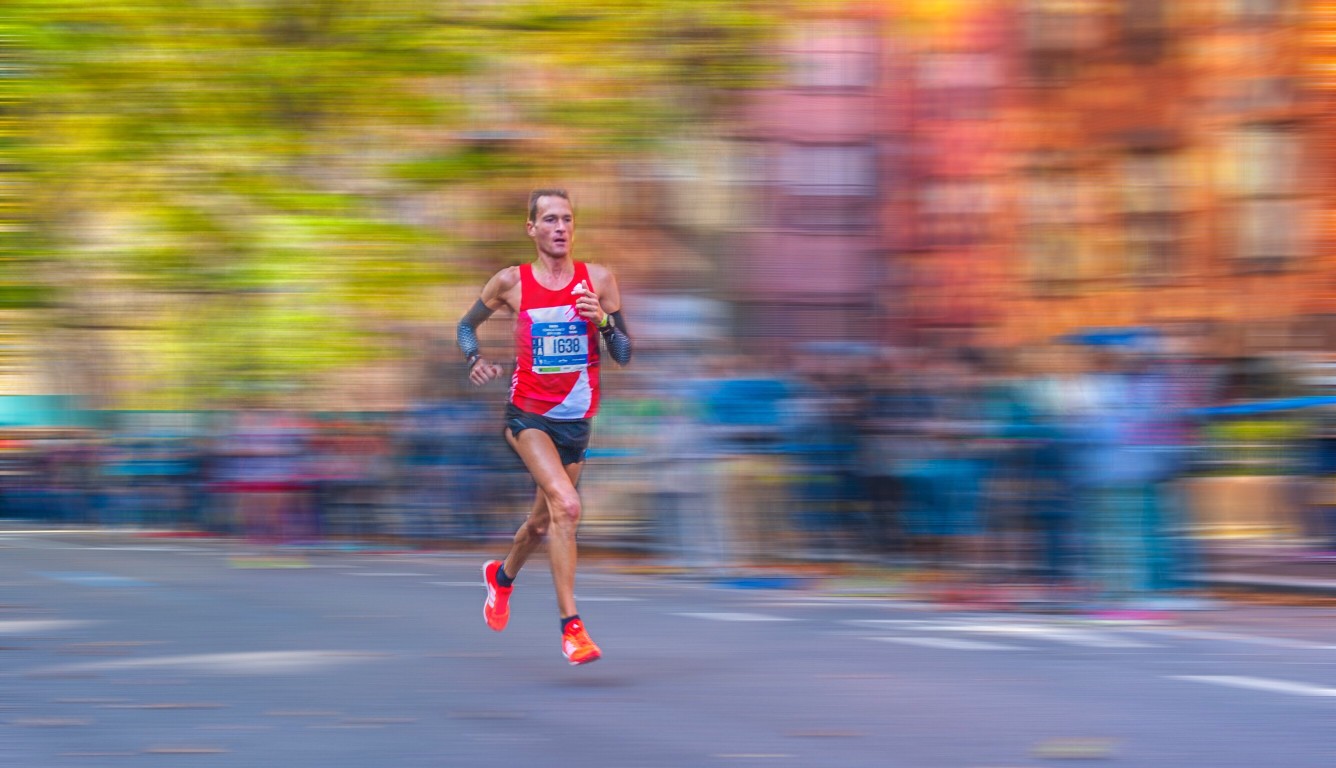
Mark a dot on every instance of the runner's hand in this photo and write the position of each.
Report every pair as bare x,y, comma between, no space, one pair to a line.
588,306
483,372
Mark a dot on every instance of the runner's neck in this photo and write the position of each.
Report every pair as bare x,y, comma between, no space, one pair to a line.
553,274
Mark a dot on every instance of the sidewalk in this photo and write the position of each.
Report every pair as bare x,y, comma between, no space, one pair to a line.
1249,565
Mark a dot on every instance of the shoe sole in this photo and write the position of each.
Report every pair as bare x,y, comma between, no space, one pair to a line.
487,586
586,661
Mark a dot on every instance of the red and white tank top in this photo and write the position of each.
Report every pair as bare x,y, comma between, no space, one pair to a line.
556,351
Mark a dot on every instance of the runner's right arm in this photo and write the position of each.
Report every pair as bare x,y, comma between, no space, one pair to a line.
494,297
466,333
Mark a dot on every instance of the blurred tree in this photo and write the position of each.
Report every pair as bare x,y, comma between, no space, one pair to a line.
206,199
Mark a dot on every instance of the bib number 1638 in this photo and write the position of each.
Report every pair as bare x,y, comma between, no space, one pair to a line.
560,347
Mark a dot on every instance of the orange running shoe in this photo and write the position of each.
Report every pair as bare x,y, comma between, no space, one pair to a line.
496,610
576,645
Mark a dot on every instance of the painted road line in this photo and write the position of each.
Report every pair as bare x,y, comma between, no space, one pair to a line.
30,626
53,531
476,584
94,579
1273,642
1042,631
948,643
734,616
143,548
826,602
390,574
1071,635
260,663
1260,684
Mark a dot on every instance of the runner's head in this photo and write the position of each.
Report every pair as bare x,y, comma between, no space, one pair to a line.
551,223
536,195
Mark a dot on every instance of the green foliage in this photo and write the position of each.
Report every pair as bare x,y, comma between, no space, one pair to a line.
24,296
253,159
470,164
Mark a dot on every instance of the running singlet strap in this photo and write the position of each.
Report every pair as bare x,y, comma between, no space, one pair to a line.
556,350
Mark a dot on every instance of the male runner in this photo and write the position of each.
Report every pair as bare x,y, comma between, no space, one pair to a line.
561,307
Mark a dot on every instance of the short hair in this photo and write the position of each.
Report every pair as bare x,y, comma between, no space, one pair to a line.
549,192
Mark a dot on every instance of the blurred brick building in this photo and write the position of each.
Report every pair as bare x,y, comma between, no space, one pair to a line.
815,260
960,114
1143,163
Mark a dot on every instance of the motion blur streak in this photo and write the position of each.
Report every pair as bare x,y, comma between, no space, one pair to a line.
1024,301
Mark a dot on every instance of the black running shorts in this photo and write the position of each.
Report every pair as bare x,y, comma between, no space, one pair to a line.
570,437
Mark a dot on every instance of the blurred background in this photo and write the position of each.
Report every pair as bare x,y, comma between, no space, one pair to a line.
1019,293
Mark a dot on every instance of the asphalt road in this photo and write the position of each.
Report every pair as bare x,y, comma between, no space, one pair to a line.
117,650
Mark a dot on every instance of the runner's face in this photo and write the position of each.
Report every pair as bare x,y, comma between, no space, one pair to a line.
554,227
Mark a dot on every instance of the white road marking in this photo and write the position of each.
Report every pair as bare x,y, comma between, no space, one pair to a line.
948,643
1260,684
262,662
734,616
142,548
1043,631
825,602
583,599
29,626
96,579
474,584
391,573
1274,642
1070,635
50,531
32,544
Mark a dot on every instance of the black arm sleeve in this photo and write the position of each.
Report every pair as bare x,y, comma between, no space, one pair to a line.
617,339
466,332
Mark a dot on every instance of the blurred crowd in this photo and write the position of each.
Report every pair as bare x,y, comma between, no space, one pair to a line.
272,475
1060,466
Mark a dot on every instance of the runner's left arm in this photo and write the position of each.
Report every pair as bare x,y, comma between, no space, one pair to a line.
616,338
604,310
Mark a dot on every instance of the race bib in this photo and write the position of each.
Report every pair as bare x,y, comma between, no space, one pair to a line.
560,347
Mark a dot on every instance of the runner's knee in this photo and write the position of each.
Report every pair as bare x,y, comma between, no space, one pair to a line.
564,508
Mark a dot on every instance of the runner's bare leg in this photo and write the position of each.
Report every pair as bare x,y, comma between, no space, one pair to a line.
556,513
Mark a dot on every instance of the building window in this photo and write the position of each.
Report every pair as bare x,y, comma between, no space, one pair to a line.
825,188
1151,214
828,171
1259,94
1145,32
1266,223
1052,206
1255,11
1061,25
956,212
1055,33
959,86
833,54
